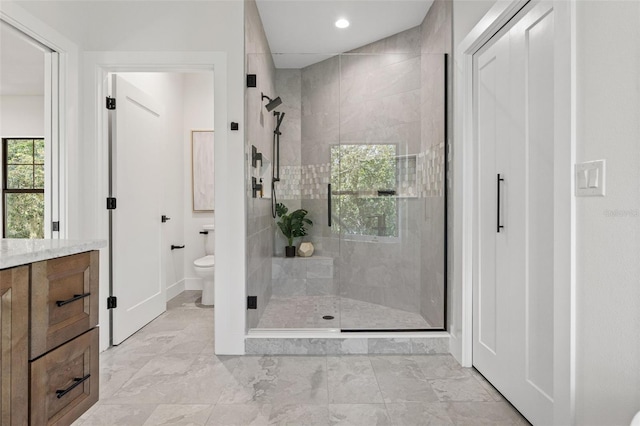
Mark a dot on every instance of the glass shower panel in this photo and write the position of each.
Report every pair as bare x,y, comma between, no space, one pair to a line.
362,150
388,198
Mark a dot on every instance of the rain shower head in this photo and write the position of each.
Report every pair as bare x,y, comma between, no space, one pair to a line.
273,103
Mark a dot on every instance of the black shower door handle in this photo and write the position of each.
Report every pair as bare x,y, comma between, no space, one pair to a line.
329,204
500,179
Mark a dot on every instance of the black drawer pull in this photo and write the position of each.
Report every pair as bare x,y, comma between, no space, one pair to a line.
73,299
76,382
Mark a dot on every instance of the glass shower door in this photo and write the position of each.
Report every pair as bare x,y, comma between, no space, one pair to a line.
388,201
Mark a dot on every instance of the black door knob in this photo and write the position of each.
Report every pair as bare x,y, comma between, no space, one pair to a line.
164,218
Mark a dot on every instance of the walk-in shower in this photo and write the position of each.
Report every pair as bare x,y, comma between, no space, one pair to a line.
364,154
363,150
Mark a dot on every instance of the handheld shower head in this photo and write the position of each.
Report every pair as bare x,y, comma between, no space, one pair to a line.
279,117
273,103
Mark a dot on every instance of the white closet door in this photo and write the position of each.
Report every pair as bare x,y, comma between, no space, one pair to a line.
513,281
491,351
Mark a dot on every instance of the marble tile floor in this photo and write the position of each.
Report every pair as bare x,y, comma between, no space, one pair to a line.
307,312
167,373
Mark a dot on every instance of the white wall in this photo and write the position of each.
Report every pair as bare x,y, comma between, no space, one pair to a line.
21,116
198,114
167,89
608,228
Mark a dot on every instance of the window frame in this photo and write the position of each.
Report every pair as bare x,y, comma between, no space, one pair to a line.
5,175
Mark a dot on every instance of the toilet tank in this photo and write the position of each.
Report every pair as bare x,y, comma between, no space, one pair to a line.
209,240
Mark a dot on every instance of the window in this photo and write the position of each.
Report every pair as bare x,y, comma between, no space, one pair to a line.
364,181
23,187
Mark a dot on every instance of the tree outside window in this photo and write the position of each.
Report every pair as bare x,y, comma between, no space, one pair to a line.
23,187
363,180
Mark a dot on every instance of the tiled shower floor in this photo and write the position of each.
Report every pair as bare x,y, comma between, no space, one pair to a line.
307,312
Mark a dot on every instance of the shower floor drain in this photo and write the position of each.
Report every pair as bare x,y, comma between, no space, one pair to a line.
328,317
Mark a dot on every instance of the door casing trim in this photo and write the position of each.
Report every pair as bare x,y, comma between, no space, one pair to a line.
97,66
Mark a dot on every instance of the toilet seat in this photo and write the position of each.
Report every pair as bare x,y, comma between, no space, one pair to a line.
205,262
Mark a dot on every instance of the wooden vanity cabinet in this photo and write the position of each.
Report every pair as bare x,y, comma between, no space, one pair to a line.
14,345
50,344
64,300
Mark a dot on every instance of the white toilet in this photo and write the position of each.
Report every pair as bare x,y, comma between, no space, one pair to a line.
205,267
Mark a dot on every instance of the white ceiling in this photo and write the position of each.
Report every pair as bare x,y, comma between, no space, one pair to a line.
296,27
21,65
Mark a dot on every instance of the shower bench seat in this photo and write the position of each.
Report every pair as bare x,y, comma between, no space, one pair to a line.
303,276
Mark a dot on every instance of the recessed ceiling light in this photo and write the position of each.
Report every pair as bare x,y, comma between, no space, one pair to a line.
342,23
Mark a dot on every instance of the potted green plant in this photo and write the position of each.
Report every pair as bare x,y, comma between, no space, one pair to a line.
292,226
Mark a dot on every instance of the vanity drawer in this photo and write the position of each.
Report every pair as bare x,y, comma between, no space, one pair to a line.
64,302
64,382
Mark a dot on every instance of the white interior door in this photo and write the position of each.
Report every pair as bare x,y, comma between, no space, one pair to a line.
513,278
137,128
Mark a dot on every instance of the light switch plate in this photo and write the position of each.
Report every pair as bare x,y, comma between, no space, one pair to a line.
590,179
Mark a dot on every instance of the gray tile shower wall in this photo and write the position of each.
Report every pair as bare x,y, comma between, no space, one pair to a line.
289,88
259,125
374,95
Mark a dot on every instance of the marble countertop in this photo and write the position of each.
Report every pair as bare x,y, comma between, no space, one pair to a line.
15,252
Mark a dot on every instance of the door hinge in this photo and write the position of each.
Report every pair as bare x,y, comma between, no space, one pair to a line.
111,102
55,226
112,302
111,203
252,302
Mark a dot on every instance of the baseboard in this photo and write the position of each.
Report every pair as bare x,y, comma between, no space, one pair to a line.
175,289
193,283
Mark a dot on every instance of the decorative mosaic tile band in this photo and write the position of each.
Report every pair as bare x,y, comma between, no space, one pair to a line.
430,171
420,175
289,186
306,182
407,178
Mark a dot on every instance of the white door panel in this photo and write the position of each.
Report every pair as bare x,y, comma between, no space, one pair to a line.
513,277
138,129
539,203
491,350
